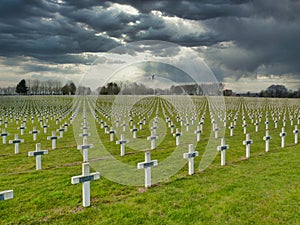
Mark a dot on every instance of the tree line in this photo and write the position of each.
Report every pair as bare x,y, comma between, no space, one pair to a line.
48,87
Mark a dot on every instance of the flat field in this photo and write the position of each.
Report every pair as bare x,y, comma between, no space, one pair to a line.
262,189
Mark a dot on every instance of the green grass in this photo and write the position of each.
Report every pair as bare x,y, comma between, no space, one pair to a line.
263,189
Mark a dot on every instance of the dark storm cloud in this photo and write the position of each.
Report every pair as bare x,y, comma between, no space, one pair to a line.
264,34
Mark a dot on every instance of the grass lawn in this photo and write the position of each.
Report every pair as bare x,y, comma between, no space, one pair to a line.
263,189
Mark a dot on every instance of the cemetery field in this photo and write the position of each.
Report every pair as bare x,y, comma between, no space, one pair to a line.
261,187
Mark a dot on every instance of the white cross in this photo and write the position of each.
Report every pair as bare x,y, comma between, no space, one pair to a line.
187,125
216,131
198,132
84,147
296,131
4,134
201,124
134,130
152,138
190,156
124,126
282,135
34,133
122,143
267,124
53,138
177,135
267,139
85,179
231,127
45,126
141,125
172,128
256,126
16,141
38,155
223,147
105,126
147,166
66,126
276,123
5,195
22,128
111,134
61,131
245,127
247,142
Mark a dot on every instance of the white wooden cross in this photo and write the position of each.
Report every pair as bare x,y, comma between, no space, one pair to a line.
85,179
201,124
61,131
147,166
45,126
276,123
5,195
16,141
4,134
34,132
222,148
267,124
231,127
38,155
105,126
122,143
190,156
172,126
284,121
177,135
152,138
53,138
198,132
245,127
22,128
282,135
247,142
66,126
84,147
124,126
267,139
134,130
187,125
256,126
111,134
141,125
216,130
296,131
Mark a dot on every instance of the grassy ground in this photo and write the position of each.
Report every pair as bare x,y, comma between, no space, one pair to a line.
264,189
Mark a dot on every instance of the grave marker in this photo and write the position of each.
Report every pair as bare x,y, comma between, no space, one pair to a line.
147,166
53,139
85,179
122,143
16,142
152,138
222,148
177,135
296,131
34,132
247,142
282,135
190,156
38,155
5,195
267,139
4,134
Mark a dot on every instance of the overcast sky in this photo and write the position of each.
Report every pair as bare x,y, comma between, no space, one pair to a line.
247,44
